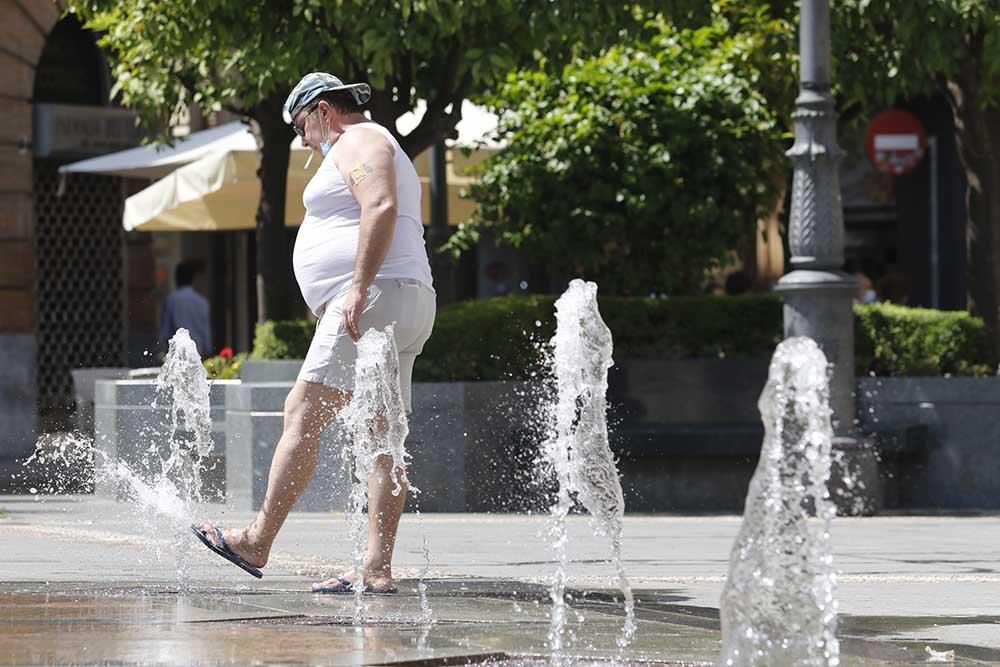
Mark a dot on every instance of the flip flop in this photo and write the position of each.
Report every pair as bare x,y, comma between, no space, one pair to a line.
225,551
347,588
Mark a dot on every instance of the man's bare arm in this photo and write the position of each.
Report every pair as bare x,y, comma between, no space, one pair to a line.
365,159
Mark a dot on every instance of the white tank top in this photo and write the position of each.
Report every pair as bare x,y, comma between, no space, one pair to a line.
327,243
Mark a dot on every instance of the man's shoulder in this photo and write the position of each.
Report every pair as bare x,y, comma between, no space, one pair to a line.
365,139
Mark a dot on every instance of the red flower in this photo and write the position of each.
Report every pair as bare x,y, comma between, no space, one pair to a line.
226,353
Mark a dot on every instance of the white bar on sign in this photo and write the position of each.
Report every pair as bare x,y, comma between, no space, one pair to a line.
897,142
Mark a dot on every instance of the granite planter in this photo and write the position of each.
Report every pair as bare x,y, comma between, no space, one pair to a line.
467,443
270,370
127,422
958,464
84,380
253,426
687,431
473,446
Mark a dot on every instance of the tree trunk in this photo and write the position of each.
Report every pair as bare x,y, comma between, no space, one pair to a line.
275,299
978,137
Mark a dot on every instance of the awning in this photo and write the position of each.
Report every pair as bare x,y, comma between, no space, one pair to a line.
156,161
219,192
475,130
209,182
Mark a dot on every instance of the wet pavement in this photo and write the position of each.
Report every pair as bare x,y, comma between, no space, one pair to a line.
84,582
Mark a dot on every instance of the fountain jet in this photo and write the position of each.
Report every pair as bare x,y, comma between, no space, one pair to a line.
778,605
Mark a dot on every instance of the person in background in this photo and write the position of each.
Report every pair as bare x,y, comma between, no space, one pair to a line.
865,292
186,308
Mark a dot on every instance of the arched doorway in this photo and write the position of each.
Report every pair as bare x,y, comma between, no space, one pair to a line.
77,224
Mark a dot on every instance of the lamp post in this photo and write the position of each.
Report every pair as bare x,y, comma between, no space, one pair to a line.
817,294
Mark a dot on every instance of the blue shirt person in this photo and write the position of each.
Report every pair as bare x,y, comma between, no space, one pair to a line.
185,308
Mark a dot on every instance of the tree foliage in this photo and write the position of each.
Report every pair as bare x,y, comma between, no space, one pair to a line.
639,168
885,50
245,56
768,29
236,54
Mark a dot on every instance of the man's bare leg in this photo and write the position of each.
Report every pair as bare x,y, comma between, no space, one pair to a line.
309,409
384,511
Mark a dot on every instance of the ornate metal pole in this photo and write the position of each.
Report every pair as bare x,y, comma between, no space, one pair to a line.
817,294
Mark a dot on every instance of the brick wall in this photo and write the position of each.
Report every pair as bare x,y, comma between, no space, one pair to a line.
22,37
23,31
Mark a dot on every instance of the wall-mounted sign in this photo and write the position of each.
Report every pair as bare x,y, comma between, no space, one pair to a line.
896,142
68,130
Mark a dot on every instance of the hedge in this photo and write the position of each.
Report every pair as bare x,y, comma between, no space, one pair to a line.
282,339
498,339
502,338
896,340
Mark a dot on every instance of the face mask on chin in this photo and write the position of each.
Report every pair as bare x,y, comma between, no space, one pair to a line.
324,148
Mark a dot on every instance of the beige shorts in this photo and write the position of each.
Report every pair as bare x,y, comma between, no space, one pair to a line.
408,304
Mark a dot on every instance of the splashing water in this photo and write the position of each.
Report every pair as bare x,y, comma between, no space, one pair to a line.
183,382
426,615
577,447
376,425
778,605
162,485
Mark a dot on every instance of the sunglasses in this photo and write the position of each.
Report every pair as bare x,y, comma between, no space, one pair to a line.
301,129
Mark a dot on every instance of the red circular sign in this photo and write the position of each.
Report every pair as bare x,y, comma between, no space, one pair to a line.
896,142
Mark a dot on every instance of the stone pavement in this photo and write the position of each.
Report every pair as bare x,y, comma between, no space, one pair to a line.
91,572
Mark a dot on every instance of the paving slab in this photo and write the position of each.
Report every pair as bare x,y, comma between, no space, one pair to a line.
125,589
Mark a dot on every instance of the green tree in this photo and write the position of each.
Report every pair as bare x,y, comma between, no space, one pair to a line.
245,56
888,49
639,168
768,29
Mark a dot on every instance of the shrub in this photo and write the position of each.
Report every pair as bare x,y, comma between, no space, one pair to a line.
896,340
498,339
288,339
639,168
492,339
503,338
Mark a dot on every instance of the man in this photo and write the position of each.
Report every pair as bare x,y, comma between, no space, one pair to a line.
361,263
185,308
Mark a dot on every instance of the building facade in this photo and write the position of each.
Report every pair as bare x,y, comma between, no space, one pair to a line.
63,278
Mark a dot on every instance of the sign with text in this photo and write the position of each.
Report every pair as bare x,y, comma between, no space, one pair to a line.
74,130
